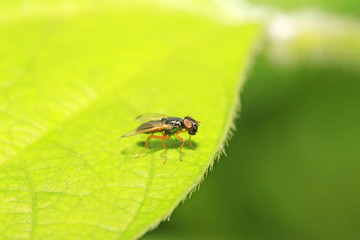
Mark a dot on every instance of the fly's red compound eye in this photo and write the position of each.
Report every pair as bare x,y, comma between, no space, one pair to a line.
188,124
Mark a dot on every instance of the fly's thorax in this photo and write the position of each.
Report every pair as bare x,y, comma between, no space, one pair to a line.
172,120
175,122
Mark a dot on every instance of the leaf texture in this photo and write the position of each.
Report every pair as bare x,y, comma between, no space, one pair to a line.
73,82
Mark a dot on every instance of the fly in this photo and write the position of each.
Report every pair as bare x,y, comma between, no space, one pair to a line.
168,126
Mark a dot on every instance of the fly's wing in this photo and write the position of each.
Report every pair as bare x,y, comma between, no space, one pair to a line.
131,133
150,116
149,127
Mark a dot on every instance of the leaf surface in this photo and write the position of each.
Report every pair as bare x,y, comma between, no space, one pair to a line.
72,84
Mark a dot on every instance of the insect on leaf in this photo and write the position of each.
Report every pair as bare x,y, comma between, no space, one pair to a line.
73,77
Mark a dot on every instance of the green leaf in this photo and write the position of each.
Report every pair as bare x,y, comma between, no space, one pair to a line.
73,79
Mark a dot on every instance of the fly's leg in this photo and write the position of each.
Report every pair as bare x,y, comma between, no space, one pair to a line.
158,137
191,143
161,139
180,138
189,139
146,144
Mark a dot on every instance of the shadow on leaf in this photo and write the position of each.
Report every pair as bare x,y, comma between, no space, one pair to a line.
156,145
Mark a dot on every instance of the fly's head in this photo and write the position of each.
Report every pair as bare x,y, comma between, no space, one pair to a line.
191,125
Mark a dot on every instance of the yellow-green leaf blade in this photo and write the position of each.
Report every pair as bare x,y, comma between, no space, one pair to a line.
72,85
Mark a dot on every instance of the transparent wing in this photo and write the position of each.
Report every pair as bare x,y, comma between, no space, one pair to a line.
150,116
149,127
131,133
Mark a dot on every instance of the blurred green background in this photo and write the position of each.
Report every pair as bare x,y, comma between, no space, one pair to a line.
351,7
292,170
